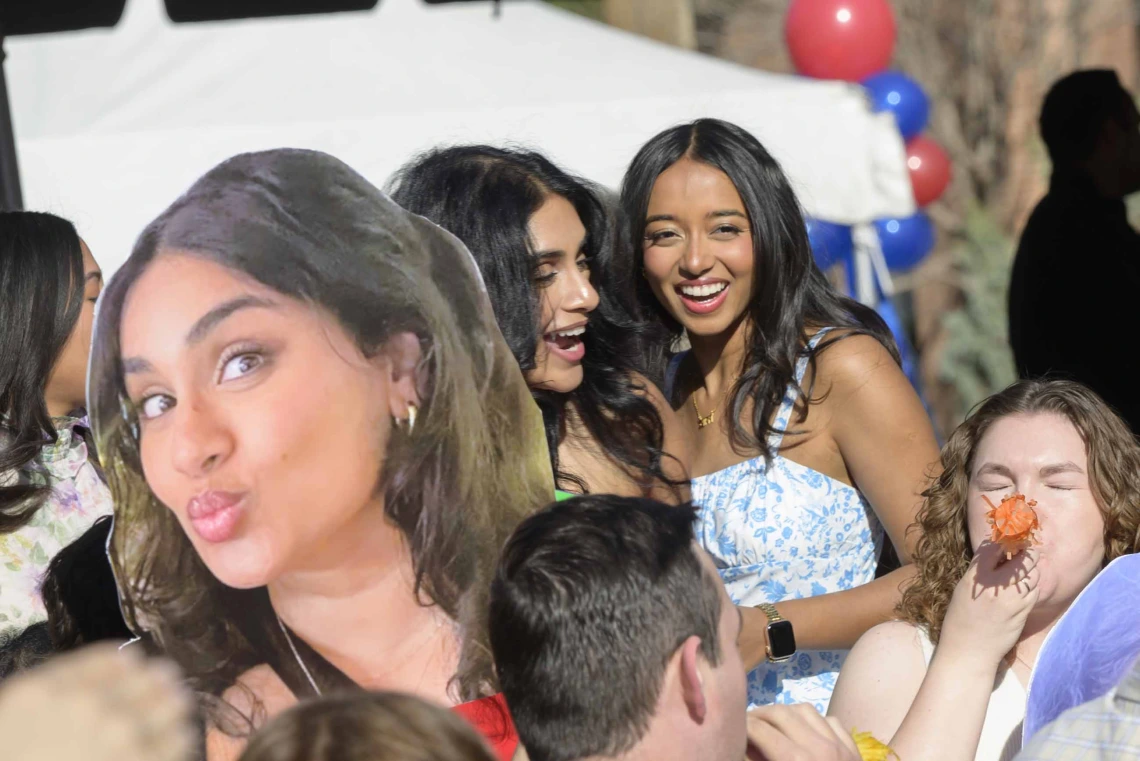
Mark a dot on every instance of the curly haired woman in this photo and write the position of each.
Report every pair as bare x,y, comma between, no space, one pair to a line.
949,680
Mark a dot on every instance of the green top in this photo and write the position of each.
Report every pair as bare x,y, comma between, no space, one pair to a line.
560,495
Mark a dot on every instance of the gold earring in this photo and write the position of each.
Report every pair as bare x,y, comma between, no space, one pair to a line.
411,420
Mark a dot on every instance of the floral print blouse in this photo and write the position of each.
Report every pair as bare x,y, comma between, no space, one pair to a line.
782,531
79,497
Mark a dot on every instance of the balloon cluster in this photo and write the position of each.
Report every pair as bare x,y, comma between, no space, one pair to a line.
852,40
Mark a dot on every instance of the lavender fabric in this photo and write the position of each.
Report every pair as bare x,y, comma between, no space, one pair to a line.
1090,649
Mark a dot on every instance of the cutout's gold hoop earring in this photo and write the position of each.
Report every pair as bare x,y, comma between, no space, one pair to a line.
410,422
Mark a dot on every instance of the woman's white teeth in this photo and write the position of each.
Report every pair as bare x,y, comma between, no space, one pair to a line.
569,333
703,290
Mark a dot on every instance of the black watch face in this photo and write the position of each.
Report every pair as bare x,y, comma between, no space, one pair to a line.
781,640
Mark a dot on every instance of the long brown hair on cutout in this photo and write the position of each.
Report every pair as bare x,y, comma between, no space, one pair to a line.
944,553
383,726
309,227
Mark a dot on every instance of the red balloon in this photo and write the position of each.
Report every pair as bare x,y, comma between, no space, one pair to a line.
840,39
929,168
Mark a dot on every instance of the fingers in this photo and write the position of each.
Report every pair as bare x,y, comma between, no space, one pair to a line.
802,723
989,556
1029,582
767,743
794,732
1033,596
845,737
991,569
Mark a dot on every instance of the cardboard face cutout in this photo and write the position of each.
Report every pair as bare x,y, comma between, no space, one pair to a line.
285,356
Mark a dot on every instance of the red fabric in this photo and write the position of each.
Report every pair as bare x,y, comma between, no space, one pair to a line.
491,717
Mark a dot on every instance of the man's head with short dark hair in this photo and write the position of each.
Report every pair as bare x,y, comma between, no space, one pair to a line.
1089,120
612,633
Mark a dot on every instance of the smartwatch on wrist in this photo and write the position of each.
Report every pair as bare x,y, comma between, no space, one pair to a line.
781,638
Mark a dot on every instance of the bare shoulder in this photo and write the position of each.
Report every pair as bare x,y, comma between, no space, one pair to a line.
850,360
889,655
863,388
895,638
880,679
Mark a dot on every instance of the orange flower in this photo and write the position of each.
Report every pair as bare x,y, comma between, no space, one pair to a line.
1013,523
871,749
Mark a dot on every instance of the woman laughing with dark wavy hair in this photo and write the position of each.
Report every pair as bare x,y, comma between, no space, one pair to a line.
543,242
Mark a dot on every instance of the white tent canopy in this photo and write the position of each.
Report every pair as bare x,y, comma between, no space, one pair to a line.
112,125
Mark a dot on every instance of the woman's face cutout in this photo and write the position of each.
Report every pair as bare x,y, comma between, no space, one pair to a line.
262,426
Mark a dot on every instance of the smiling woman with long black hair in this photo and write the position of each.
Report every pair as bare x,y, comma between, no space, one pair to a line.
542,240
808,440
50,487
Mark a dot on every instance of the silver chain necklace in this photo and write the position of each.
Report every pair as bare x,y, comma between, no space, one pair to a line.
297,655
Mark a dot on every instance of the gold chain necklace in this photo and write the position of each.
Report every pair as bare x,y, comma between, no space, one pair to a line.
709,419
703,420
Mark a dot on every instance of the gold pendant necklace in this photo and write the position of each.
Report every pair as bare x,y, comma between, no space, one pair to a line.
703,420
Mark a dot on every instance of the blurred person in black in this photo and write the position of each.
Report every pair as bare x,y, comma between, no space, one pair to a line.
1077,271
82,604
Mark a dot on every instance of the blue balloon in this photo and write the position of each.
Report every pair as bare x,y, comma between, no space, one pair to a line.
906,241
830,243
896,92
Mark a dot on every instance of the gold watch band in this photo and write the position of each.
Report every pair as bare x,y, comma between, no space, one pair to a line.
769,610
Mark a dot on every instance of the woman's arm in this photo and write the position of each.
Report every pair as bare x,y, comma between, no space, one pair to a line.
882,432
886,689
833,621
939,715
945,721
885,438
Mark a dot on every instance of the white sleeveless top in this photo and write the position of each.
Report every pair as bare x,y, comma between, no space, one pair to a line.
1001,731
